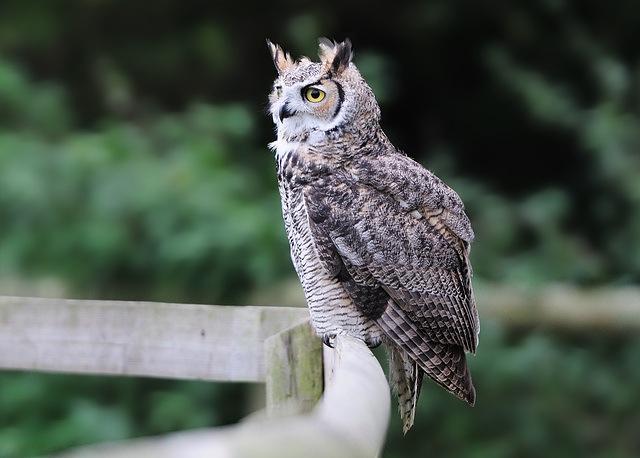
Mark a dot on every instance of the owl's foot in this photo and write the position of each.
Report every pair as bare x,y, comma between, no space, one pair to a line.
327,339
373,342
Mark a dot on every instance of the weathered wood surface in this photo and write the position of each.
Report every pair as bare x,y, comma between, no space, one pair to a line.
350,421
294,379
183,341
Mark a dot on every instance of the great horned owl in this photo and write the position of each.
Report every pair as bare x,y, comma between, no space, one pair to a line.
380,243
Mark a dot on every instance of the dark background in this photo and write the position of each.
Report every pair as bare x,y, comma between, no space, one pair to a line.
133,165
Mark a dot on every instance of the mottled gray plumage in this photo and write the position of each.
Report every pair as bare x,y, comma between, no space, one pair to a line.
380,243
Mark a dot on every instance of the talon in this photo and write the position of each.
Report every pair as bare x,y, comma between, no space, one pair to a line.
327,339
373,343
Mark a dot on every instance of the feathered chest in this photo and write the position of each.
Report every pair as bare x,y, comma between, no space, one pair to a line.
333,311
295,171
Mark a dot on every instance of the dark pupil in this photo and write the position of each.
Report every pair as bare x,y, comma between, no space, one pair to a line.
315,93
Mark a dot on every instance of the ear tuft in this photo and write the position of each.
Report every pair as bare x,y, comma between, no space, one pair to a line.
282,61
336,57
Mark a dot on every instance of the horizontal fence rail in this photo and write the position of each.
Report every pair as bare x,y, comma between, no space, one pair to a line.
185,341
562,307
226,343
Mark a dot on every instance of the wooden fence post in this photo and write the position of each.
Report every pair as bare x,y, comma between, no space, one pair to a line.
293,361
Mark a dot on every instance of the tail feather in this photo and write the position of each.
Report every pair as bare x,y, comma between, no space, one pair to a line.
410,357
405,377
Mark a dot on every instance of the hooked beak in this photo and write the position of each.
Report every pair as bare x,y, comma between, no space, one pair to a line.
285,112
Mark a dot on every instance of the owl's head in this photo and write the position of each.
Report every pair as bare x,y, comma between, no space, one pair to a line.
320,96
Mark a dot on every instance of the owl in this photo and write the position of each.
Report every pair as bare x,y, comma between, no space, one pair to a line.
380,244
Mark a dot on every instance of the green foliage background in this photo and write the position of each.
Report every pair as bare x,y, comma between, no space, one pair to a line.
133,165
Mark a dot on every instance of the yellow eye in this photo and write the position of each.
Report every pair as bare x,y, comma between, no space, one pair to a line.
313,94
278,91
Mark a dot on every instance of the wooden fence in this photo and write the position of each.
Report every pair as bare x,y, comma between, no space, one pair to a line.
320,401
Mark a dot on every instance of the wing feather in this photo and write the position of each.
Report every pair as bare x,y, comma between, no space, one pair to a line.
419,259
